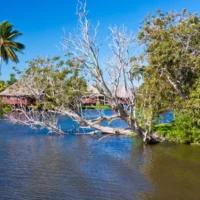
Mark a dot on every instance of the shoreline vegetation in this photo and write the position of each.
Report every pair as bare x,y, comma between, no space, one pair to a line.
164,77
99,107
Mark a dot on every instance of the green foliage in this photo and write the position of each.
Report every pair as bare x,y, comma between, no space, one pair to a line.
184,129
12,79
171,79
155,96
98,103
172,43
3,85
63,86
100,107
4,110
163,129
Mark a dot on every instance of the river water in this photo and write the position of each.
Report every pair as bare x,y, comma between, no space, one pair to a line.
38,166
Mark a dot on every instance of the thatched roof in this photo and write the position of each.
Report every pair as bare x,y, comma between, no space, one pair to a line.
19,89
123,93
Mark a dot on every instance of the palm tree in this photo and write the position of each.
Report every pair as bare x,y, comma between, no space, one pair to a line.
8,46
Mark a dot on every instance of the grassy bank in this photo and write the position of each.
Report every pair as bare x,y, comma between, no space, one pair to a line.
100,107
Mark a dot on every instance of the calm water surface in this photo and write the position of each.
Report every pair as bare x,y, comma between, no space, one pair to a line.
37,166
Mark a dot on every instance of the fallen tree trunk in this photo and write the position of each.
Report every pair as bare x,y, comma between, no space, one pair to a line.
34,120
148,137
110,130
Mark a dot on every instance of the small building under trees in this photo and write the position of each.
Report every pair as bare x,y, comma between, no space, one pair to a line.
17,94
93,96
124,95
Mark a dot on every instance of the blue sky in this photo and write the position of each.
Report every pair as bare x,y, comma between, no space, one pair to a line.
42,21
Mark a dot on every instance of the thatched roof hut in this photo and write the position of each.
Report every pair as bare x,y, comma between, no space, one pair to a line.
93,96
17,90
123,93
18,93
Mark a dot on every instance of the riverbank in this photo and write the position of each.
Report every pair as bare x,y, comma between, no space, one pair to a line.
174,134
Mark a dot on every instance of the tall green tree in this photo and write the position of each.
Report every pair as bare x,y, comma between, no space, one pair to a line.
172,77
172,43
8,45
12,79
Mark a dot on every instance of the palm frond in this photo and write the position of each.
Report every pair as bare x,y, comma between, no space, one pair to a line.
11,54
13,35
8,45
16,46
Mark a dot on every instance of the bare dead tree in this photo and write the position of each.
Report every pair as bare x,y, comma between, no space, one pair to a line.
120,67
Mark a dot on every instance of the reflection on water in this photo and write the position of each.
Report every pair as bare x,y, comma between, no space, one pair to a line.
38,166
174,170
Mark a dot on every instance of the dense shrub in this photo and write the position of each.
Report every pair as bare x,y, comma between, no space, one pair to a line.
183,129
